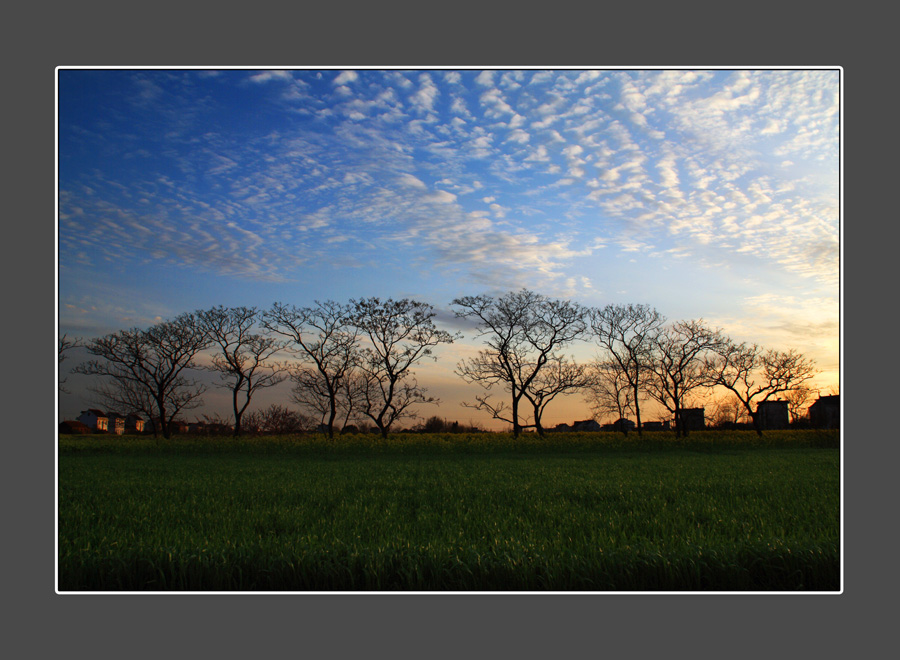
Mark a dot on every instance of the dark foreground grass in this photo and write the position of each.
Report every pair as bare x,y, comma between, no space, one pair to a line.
436,513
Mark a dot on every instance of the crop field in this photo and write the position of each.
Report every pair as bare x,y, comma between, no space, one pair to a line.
443,512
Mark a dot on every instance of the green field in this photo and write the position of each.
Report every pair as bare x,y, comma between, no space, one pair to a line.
573,512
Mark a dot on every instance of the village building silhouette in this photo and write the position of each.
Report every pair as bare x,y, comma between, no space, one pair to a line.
825,413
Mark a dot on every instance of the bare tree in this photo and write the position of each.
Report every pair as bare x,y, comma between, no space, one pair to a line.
559,375
153,364
349,399
679,350
728,411
277,420
310,394
798,400
131,397
523,332
242,357
627,333
326,342
754,374
609,392
65,345
398,334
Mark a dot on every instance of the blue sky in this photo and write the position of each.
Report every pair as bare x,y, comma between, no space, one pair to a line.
705,193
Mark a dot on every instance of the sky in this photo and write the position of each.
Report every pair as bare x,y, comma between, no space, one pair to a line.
710,194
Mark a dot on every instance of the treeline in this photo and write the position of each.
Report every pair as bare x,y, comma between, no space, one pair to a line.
352,363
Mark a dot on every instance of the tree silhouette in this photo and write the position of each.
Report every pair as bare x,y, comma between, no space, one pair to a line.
754,374
277,420
397,334
324,339
727,411
609,391
242,355
558,375
523,331
627,333
151,365
65,345
797,399
677,365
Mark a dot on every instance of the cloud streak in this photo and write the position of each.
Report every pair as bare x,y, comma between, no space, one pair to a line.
694,163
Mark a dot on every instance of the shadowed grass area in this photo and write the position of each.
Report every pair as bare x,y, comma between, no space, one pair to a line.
448,442
423,513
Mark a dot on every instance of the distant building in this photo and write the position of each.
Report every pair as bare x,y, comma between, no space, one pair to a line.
209,428
694,419
115,423
621,425
772,415
94,419
134,423
74,427
825,413
655,426
584,425
178,426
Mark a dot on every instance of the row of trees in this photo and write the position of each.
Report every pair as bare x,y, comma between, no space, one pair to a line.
354,362
641,357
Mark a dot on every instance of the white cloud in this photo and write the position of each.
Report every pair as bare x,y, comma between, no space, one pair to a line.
679,159
519,136
771,128
441,197
410,181
268,76
573,151
511,79
424,98
496,105
668,172
541,77
345,77
480,147
147,91
485,78
587,76
458,106
539,154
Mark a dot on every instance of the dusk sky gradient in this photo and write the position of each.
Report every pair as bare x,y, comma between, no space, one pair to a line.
704,193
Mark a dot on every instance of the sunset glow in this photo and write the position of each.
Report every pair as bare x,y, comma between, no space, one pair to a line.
704,193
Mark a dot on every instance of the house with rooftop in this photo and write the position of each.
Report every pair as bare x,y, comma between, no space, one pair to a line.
772,415
94,419
825,413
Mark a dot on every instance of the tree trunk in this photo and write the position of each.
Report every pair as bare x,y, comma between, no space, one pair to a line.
756,425
331,418
537,423
637,412
515,415
237,412
163,422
